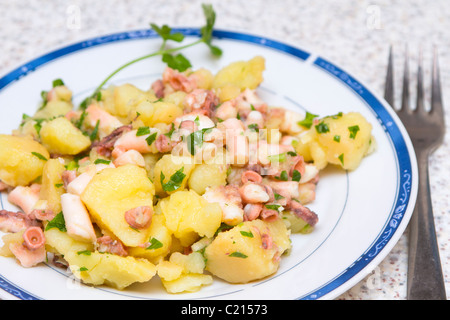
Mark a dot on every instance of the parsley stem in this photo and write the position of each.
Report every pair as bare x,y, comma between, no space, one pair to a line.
159,52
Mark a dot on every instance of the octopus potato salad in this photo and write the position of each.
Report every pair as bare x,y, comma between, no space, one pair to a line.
192,179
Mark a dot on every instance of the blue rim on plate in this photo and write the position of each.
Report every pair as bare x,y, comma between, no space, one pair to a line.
373,103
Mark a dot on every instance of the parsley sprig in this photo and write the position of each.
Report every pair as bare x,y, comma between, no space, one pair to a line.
178,61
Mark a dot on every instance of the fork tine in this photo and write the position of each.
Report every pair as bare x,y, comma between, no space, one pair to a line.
436,96
405,93
420,106
389,84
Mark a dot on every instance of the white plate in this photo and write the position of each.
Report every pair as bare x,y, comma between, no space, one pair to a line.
362,214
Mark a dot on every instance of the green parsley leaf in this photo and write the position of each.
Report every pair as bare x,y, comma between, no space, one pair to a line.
195,139
84,252
308,121
80,121
102,161
337,138
142,131
253,127
154,244
353,131
341,158
178,62
172,129
292,153
277,196
57,222
151,138
57,83
58,185
166,33
94,132
238,254
322,128
247,234
296,175
40,156
207,30
174,182
83,269
273,206
72,165
223,227
283,176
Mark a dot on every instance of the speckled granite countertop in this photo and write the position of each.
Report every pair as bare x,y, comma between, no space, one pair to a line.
355,34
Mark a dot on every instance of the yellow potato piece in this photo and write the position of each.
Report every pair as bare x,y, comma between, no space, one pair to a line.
207,175
152,113
189,216
111,193
18,164
347,141
241,74
102,268
239,256
60,136
52,184
187,283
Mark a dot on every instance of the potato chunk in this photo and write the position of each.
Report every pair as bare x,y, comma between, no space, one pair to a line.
247,252
344,139
111,193
60,136
189,216
20,161
241,74
52,185
102,268
207,175
151,113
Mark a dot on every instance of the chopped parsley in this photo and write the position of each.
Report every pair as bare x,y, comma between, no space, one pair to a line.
253,127
102,161
277,157
275,207
247,234
283,176
40,156
337,138
353,131
322,127
277,196
94,132
238,254
57,83
308,121
142,131
84,252
195,139
174,182
154,244
151,138
57,222
341,158
296,176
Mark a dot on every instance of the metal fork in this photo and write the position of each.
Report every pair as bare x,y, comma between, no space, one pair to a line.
426,129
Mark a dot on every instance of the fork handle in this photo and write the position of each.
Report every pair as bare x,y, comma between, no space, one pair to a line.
425,278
